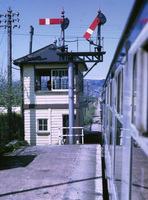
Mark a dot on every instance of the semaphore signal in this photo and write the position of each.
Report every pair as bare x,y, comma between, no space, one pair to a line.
64,24
99,20
50,21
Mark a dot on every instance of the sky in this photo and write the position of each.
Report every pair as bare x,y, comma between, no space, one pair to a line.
81,14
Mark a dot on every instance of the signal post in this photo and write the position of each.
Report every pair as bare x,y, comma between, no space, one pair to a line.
77,57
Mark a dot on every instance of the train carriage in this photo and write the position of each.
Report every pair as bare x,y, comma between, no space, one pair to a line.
125,111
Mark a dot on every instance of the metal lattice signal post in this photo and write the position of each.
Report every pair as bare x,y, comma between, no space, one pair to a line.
9,20
96,57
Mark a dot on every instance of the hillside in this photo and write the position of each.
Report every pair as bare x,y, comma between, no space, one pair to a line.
93,88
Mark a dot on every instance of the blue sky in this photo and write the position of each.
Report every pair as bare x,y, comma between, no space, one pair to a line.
81,13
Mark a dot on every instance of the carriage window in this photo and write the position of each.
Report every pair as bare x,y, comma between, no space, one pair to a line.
111,94
118,92
122,92
134,95
139,173
107,94
118,157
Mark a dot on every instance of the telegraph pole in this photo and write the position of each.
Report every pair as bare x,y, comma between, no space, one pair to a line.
31,38
9,20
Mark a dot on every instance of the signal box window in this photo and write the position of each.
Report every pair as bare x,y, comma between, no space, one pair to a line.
60,79
48,80
43,79
42,125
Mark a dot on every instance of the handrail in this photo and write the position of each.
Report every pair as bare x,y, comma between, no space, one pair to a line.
68,135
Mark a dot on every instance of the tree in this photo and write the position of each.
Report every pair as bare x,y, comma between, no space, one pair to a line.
11,126
7,96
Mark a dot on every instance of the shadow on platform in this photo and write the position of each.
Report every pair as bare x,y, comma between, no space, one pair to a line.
10,162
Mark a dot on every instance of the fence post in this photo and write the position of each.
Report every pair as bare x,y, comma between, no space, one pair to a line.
82,136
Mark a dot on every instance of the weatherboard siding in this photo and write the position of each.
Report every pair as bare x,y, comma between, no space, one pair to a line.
56,123
30,126
31,117
28,77
55,98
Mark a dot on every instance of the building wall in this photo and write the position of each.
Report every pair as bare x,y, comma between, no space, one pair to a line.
28,79
52,98
32,97
31,133
55,122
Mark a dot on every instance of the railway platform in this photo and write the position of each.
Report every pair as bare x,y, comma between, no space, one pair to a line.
60,172
66,172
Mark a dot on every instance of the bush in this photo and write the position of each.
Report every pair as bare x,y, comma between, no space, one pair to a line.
2,148
10,131
14,145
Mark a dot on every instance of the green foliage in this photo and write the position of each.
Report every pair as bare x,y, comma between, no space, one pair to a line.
10,127
2,147
89,115
8,96
23,143
16,144
15,126
14,129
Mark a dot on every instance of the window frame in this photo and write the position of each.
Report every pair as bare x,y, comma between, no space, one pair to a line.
140,60
43,76
42,131
134,89
60,78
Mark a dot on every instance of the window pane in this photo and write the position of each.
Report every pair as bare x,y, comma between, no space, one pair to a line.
110,130
118,92
134,99
60,73
64,82
60,79
40,122
42,125
66,73
45,124
111,94
57,83
41,79
56,73
118,158
140,174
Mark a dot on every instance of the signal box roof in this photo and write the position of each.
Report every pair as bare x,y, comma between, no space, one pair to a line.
46,55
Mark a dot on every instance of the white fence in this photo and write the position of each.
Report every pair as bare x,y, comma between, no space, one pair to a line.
61,135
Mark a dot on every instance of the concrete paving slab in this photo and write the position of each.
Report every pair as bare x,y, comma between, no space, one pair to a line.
52,172
96,125
86,176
